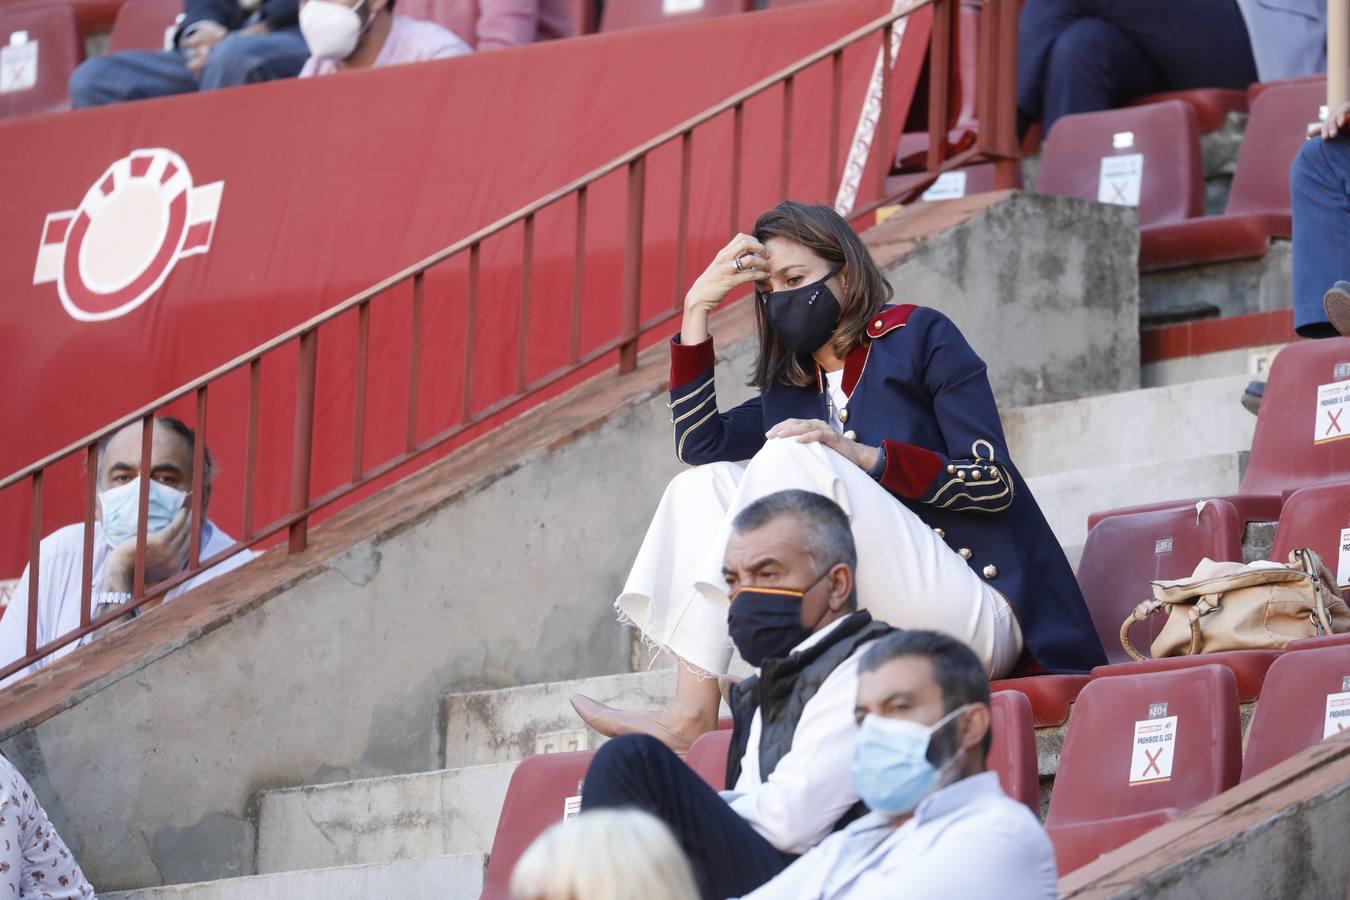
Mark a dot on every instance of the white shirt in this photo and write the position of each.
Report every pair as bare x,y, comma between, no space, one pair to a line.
967,840
62,559
812,786
834,383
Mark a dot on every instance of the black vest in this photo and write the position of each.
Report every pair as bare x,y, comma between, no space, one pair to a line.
781,691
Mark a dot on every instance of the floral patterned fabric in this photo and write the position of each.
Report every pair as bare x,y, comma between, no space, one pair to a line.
34,861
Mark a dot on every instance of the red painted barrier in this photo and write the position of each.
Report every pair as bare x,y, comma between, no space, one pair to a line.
291,196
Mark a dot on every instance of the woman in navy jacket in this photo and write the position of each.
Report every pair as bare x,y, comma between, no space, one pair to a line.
887,409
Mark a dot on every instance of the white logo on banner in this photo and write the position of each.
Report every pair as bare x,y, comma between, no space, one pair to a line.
1154,742
18,63
1121,177
1333,422
135,223
949,186
675,7
1338,714
1343,568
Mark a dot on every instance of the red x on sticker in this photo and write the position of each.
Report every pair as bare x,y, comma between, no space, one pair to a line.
1119,190
1335,421
1153,762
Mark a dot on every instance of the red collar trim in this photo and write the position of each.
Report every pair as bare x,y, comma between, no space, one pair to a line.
854,364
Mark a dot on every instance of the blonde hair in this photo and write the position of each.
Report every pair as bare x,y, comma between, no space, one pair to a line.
604,855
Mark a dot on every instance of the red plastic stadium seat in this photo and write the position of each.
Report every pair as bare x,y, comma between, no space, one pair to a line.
1258,88
144,25
1314,517
911,152
1012,751
1249,668
640,13
1211,105
1123,554
708,757
1292,712
535,798
1326,640
1258,206
584,15
1049,695
1172,187
56,34
1095,807
1284,455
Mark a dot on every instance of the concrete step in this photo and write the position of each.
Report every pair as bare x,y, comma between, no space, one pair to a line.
1067,498
377,820
458,877
505,725
1130,428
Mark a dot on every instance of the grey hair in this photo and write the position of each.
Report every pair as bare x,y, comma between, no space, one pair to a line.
830,536
178,427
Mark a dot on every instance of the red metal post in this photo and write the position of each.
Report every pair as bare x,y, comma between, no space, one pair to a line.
883,148
682,228
90,498
199,474
302,448
836,110
578,280
362,365
523,317
414,360
34,559
143,505
939,81
470,331
251,444
632,264
737,154
785,139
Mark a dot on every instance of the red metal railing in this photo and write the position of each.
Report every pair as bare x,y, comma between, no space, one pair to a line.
996,142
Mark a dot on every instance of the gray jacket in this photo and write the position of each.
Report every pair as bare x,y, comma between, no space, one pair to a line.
1289,37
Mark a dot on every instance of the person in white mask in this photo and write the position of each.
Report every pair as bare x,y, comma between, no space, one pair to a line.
940,826
361,34
168,532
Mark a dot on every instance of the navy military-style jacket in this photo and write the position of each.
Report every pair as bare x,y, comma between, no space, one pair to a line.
919,391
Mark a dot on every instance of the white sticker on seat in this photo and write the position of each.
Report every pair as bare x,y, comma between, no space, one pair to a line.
18,64
949,186
1120,180
1154,743
1343,566
1338,714
675,7
571,808
1333,419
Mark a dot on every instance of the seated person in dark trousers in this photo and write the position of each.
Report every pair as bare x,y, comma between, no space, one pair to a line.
1319,189
789,563
1085,55
941,827
220,43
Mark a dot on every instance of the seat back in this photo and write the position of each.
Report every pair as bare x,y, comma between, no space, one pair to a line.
1302,436
39,47
1276,127
708,757
1012,752
1124,553
145,25
1115,762
1306,698
1316,517
640,13
542,789
1092,156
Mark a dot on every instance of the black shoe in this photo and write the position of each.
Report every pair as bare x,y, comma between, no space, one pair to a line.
1251,397
1337,304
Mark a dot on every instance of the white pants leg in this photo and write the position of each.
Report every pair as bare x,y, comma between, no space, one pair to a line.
907,576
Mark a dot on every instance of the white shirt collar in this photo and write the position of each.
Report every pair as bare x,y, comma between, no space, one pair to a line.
818,636
942,802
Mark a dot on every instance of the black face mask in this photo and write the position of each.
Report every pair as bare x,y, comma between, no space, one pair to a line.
766,623
804,317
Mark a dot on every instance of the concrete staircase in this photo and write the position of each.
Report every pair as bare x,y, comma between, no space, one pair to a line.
428,833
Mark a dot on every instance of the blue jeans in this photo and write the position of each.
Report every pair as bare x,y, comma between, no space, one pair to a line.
1319,192
140,74
1087,55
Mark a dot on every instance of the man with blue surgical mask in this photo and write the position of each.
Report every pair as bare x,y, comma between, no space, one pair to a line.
940,826
168,532
789,565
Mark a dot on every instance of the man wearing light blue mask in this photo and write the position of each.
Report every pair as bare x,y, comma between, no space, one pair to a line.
940,826
168,531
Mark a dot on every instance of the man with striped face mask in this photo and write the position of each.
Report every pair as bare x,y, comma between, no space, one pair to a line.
361,34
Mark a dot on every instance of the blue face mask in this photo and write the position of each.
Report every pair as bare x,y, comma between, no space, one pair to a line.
891,771
121,505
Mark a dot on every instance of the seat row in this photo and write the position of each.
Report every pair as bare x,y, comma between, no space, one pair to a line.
1140,751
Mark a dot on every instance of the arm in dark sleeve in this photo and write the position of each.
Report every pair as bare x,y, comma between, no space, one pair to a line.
223,12
702,434
280,14
976,476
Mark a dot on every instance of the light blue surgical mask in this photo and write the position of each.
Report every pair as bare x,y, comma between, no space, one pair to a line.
891,771
121,505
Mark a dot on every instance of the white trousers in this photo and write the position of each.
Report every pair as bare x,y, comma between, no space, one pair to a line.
907,576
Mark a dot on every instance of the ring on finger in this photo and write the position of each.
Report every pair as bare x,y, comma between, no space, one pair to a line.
737,263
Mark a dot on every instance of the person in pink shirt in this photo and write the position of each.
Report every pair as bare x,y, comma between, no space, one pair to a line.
360,34
494,24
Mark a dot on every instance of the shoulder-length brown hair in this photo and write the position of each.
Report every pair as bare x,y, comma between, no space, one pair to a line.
824,232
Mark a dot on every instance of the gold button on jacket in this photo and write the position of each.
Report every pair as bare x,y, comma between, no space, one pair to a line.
965,553
991,571
851,435
843,415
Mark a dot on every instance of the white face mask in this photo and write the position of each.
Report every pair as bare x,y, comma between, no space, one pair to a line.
331,30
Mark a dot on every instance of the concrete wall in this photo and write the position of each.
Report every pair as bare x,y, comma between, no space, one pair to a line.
151,773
